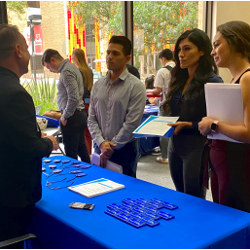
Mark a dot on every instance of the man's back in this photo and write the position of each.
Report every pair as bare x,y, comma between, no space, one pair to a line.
70,83
163,76
21,147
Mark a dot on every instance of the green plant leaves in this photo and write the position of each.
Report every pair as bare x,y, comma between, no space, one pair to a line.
43,92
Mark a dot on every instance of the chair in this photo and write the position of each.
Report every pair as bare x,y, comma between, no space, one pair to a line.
12,241
58,135
56,132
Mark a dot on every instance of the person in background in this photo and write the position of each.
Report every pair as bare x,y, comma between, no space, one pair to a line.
185,98
149,84
163,76
79,59
70,102
230,161
116,109
21,142
133,70
161,84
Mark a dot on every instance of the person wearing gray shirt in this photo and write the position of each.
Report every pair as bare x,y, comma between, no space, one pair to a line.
116,109
70,102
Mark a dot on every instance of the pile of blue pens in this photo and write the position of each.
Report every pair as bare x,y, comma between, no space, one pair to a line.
141,212
62,173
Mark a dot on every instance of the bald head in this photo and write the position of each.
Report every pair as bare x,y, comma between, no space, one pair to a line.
14,53
9,35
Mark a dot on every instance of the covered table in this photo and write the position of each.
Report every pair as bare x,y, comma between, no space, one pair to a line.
197,224
147,144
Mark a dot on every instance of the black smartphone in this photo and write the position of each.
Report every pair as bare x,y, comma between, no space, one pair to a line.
81,205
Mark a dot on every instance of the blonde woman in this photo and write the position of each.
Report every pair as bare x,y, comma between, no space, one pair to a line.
79,59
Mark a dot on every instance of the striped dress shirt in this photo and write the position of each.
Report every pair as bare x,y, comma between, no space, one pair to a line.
70,89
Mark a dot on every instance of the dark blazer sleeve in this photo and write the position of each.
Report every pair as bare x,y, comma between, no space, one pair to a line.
22,147
20,127
215,79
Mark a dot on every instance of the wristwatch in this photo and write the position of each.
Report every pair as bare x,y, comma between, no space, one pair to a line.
214,126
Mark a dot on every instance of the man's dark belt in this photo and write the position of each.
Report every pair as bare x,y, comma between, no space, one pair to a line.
78,109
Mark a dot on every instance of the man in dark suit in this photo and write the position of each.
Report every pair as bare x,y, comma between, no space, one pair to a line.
21,144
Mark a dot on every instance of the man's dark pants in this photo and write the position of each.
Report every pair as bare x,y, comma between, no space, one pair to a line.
73,136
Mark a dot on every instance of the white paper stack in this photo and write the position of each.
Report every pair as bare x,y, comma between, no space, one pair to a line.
224,103
95,160
156,126
96,187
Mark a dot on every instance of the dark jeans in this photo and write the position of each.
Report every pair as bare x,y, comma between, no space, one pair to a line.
127,157
14,223
73,136
185,163
164,147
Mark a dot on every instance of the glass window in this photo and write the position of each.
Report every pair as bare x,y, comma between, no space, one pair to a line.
27,16
157,25
66,25
97,21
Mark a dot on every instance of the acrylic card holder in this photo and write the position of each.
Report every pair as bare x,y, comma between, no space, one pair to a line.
141,212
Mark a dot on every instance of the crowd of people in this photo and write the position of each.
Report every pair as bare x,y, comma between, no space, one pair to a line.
107,112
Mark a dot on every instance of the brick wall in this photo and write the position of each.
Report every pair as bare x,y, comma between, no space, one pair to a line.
53,26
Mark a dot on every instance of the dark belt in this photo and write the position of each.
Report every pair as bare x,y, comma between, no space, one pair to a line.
78,109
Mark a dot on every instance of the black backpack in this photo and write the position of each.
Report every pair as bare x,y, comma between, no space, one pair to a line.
168,67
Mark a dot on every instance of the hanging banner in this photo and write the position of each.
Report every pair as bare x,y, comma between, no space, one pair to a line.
38,41
76,34
97,47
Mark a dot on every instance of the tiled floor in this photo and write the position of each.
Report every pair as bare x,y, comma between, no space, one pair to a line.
151,171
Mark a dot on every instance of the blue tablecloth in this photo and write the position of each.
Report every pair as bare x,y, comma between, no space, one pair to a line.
149,110
51,122
197,224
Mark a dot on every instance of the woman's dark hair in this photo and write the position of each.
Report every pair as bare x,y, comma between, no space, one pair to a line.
237,34
179,76
149,82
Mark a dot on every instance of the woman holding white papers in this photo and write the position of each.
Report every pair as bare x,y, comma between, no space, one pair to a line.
230,161
185,98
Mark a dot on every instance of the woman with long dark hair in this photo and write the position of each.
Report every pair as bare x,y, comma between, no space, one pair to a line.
186,99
